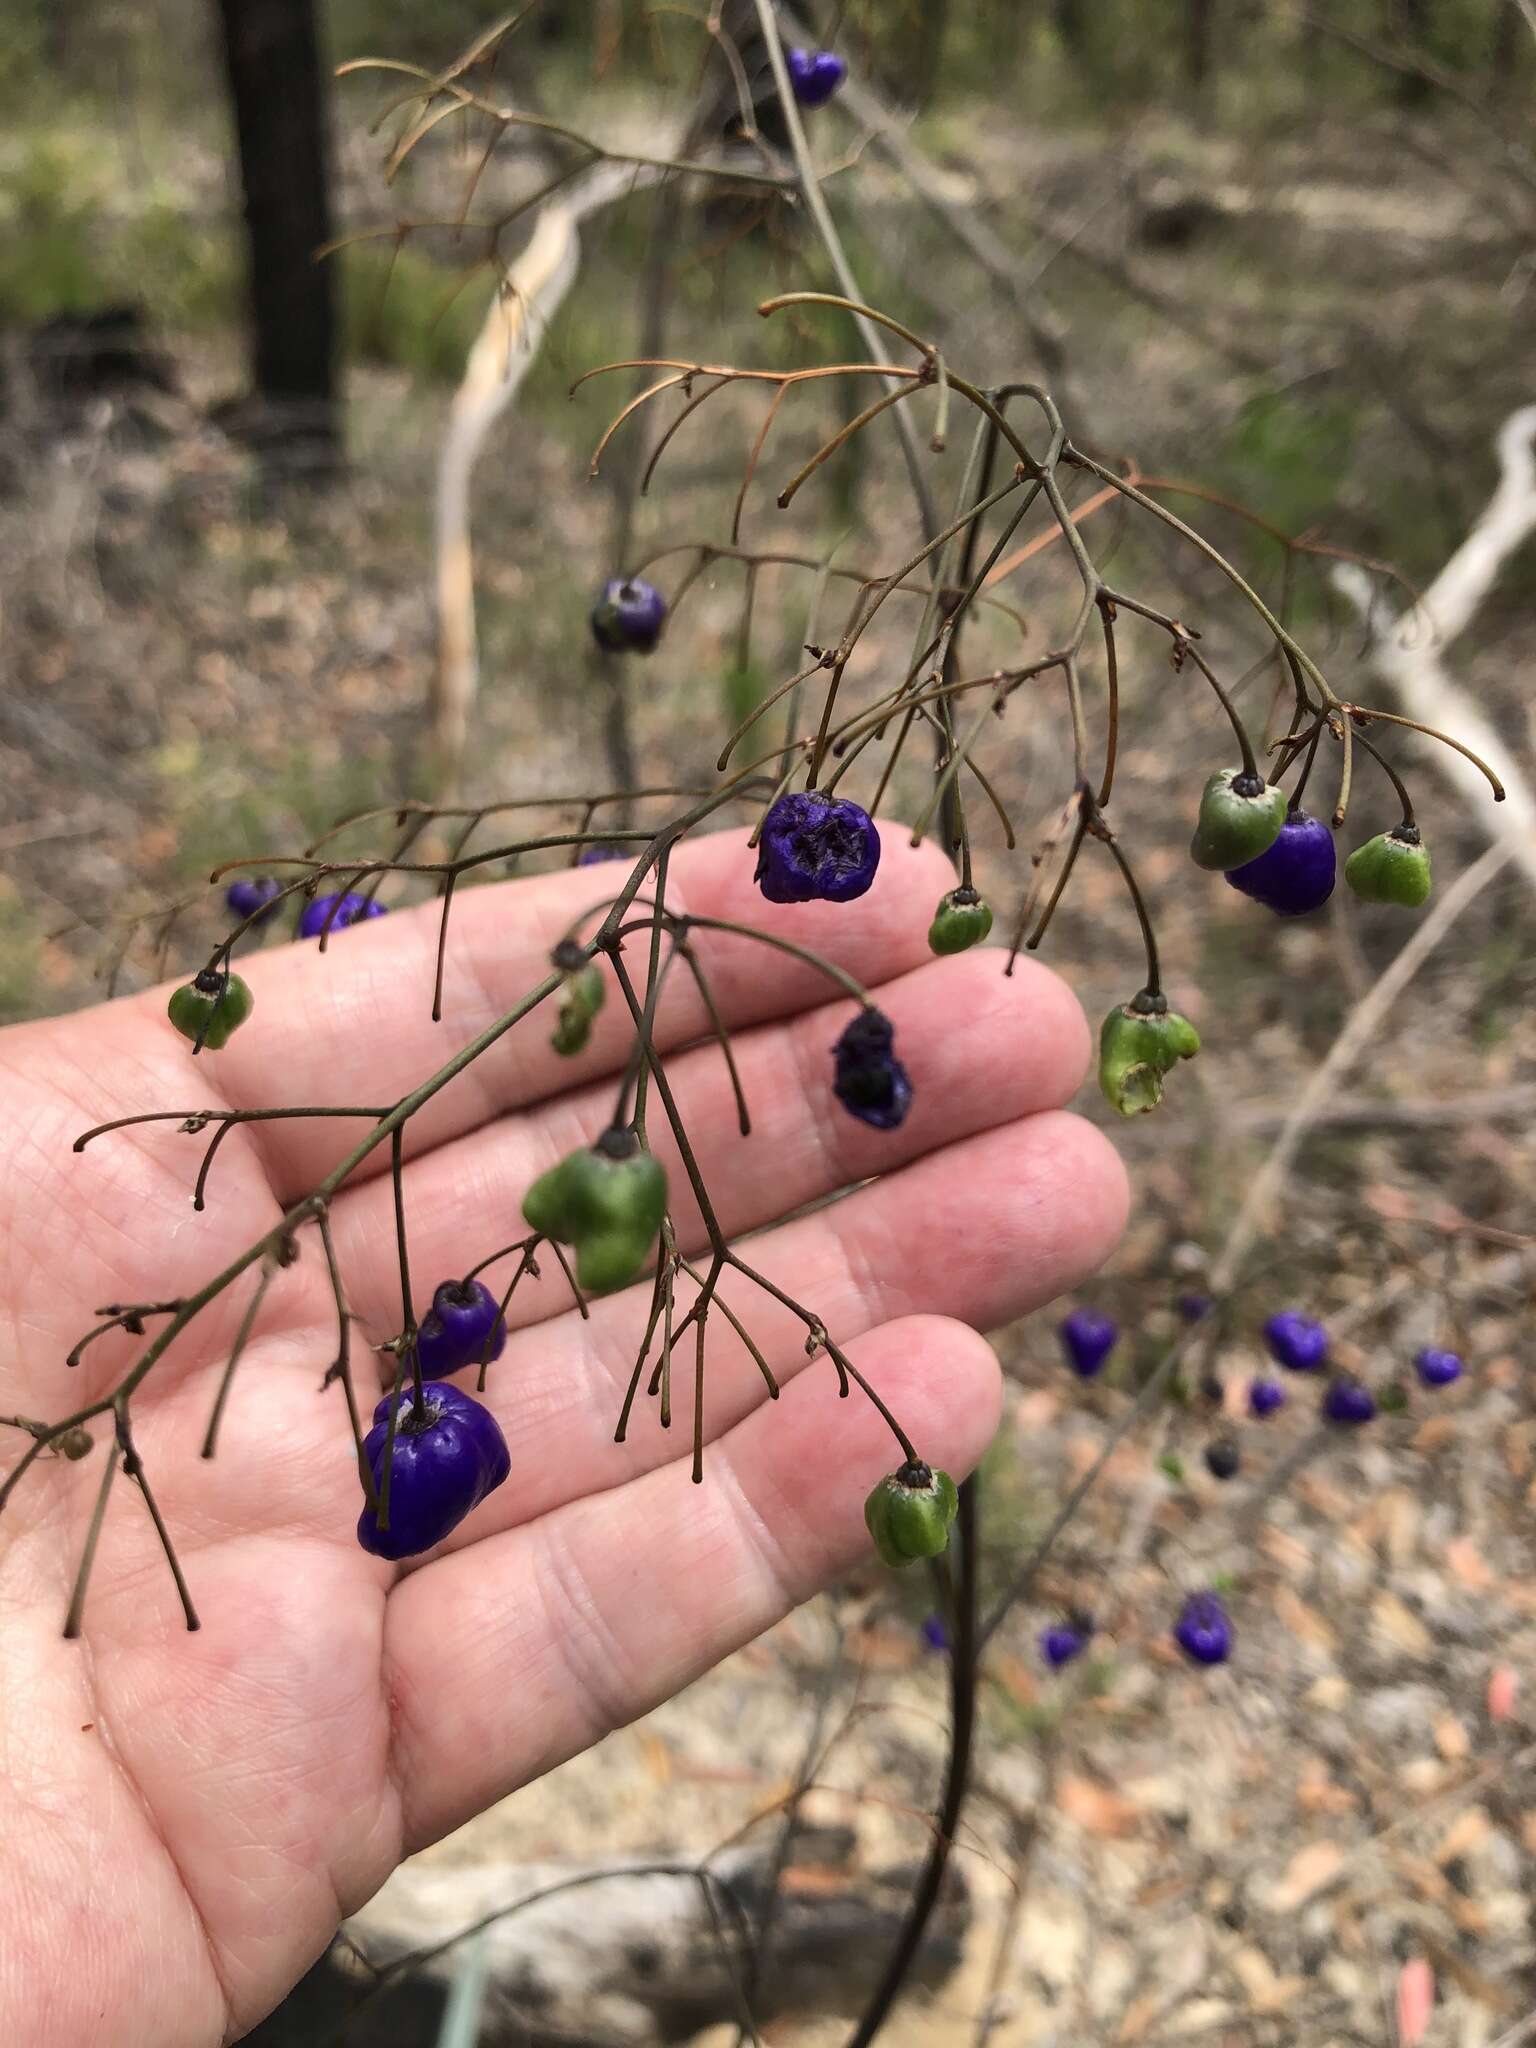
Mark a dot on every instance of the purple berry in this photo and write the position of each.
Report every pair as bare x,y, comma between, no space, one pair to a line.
1437,1368
868,1079
1296,1341
1348,1401
934,1632
1264,1397
815,75
453,1332
1295,873
1088,1339
334,913
441,1469
814,846
253,896
1061,1642
1203,1631
594,856
629,616
1223,1458
1194,1308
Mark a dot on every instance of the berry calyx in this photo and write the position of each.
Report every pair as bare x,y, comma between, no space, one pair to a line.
464,1326
816,847
1348,1401
253,896
1138,1046
334,913
1391,868
607,1203
1296,873
963,919
211,1008
1264,1397
1223,1459
1203,1630
1239,818
814,75
908,1514
1062,1641
446,1459
1297,1342
1437,1368
868,1079
629,616
1088,1338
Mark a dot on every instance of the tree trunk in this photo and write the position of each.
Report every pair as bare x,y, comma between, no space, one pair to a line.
1199,28
277,87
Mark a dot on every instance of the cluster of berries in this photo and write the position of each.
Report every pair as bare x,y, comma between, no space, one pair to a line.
1202,1630
1275,853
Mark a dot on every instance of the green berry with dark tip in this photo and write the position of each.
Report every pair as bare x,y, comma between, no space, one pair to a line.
1241,816
1391,868
910,1512
963,919
211,1008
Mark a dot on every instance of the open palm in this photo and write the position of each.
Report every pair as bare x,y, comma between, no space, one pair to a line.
188,1816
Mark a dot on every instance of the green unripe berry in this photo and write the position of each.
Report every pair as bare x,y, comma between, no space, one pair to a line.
962,919
581,997
1240,818
210,1008
608,1203
910,1512
1391,868
1141,1042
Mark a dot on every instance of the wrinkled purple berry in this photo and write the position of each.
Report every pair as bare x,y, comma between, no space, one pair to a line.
629,616
1061,1642
1088,1339
1264,1397
868,1079
1437,1368
815,75
253,896
1203,1631
1296,1341
1349,1401
318,916
815,846
441,1469
454,1330
1295,873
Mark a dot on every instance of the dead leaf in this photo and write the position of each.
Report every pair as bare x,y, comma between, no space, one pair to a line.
1293,1613
1468,1831
1468,1563
1267,1992
1400,1626
1307,1873
1095,1808
1452,1739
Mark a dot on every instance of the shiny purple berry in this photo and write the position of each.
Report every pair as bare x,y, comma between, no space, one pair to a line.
814,846
1295,873
868,1079
1348,1401
1088,1339
329,914
253,896
629,616
443,1466
1203,1631
1437,1368
1061,1642
815,75
1264,1397
454,1330
1296,1341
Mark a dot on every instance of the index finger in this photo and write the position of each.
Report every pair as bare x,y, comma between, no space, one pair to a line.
354,1025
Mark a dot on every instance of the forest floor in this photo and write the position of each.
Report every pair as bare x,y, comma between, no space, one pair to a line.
197,668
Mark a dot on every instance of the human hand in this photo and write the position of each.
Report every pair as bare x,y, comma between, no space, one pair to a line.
187,1817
